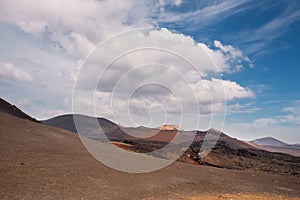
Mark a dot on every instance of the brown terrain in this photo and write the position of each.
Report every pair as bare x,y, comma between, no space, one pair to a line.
43,162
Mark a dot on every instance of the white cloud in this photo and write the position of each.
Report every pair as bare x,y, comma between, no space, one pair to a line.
234,57
264,122
162,3
232,89
9,71
294,108
241,108
256,40
178,2
35,27
293,113
211,12
235,53
73,43
187,57
77,26
83,44
78,21
162,69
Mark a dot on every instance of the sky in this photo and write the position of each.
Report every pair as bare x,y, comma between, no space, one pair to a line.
232,65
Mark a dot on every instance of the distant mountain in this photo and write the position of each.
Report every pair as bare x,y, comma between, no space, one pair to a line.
67,122
273,145
13,110
272,142
269,141
89,126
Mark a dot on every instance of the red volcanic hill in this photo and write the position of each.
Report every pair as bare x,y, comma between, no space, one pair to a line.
170,128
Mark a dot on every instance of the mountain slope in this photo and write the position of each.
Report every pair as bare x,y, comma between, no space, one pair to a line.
269,141
273,145
13,110
88,125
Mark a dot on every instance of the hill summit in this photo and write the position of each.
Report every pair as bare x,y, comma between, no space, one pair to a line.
167,127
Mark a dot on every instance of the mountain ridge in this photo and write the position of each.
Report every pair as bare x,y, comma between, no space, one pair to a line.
10,109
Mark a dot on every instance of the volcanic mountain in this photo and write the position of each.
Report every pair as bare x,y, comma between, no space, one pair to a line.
170,128
269,141
275,145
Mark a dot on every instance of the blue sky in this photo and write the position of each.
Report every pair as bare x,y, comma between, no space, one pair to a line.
253,44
